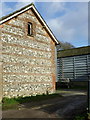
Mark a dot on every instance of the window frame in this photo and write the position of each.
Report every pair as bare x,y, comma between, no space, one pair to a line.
30,29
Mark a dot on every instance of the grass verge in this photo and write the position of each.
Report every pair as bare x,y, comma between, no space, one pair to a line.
88,116
12,103
83,116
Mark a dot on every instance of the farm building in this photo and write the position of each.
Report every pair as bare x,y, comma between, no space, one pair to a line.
28,53
74,64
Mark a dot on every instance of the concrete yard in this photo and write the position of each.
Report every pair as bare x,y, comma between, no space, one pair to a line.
71,103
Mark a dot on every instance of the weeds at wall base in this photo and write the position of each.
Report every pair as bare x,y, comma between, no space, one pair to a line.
13,103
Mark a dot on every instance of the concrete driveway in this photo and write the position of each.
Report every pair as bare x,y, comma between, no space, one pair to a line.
66,107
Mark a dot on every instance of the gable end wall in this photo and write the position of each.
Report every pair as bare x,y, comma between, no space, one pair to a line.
28,61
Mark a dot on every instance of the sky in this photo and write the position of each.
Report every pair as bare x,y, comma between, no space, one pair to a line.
67,20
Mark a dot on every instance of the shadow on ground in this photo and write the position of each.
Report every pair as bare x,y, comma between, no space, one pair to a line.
72,103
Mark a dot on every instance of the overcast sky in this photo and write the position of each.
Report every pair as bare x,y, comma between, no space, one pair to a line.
67,20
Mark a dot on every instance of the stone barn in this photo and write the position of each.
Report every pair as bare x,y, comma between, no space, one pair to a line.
28,53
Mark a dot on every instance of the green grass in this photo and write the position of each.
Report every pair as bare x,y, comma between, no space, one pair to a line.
12,103
89,116
8,103
83,116
79,118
